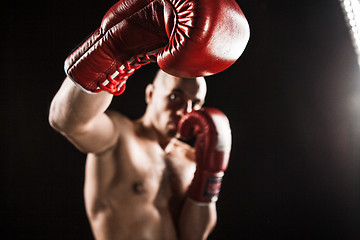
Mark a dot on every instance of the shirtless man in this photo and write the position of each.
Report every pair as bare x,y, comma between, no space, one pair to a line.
140,181
137,173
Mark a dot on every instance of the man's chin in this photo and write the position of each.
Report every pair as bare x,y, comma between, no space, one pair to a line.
171,129
172,133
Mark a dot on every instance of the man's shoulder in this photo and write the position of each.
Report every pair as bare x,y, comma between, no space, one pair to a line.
118,117
122,123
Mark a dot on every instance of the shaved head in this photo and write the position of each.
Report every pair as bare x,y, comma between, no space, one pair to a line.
165,80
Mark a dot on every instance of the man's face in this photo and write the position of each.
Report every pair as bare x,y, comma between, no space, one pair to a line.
171,98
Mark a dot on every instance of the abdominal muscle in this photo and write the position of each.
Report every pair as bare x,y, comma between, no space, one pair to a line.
138,222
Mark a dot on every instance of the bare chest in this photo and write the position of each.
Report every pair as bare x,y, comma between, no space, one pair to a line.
140,171
157,175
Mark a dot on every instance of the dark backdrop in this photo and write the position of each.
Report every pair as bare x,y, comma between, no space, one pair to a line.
293,100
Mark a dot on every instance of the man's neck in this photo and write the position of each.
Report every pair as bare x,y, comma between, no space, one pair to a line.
148,131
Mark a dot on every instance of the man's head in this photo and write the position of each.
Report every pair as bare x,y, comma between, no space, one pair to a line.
169,98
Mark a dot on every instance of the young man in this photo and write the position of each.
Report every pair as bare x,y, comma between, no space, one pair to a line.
137,172
139,178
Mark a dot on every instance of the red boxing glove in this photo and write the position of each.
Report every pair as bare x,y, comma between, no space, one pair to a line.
212,149
188,38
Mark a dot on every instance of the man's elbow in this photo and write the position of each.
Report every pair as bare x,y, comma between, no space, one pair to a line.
57,120
55,124
53,118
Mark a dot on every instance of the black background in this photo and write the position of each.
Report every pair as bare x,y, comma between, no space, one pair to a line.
293,100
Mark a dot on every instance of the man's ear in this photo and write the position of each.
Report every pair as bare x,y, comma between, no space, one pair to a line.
149,93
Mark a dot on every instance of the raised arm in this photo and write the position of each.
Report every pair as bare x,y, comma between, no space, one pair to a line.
81,118
186,40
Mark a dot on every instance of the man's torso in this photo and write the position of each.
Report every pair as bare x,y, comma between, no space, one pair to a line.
135,190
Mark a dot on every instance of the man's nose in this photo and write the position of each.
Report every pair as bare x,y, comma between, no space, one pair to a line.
186,108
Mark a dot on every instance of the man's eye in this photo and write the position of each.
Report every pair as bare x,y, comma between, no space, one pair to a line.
173,97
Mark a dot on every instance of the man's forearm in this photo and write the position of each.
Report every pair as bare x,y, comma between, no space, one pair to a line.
197,221
72,109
